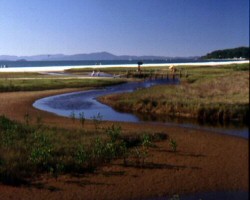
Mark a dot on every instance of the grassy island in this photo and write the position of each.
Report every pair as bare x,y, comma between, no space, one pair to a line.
205,92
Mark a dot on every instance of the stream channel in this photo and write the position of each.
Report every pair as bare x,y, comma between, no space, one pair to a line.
85,102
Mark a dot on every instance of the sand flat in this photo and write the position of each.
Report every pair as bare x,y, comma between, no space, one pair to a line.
205,161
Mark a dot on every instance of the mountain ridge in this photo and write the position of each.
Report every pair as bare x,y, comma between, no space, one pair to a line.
84,56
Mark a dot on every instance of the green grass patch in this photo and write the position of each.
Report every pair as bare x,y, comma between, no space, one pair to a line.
11,85
207,93
6,75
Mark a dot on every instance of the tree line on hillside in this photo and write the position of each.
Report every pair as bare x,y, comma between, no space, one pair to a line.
241,52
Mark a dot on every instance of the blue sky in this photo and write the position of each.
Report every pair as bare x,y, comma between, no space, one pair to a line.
122,27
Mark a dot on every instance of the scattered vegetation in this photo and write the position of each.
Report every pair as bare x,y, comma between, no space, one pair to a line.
27,151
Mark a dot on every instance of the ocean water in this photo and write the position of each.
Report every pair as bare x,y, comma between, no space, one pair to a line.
11,64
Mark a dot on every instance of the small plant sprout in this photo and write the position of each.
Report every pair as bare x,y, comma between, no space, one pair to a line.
141,155
173,144
82,118
81,155
73,116
27,118
146,140
97,120
125,152
114,133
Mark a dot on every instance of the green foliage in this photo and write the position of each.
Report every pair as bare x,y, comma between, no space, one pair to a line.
98,151
173,144
113,132
216,94
242,52
244,67
11,85
6,124
27,151
146,140
41,151
81,155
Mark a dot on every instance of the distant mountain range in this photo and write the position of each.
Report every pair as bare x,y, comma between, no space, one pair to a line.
90,56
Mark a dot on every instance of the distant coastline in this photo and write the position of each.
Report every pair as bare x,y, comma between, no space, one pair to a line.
60,65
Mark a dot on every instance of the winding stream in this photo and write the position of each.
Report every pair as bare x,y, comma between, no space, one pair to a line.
85,102
77,103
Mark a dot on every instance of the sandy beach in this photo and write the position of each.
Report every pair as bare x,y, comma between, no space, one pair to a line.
205,162
62,68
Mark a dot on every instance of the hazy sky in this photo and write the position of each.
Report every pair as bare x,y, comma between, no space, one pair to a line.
131,27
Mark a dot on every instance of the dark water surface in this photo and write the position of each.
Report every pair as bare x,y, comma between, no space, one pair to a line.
85,102
221,195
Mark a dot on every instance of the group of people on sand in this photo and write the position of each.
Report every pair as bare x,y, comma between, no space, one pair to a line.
95,73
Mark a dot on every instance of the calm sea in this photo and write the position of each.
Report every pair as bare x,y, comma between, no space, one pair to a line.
94,62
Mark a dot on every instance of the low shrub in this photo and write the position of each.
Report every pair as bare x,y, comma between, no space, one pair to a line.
27,151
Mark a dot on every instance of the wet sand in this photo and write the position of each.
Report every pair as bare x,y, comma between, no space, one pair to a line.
205,161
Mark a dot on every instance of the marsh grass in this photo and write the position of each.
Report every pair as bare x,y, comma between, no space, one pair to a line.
7,75
11,85
218,93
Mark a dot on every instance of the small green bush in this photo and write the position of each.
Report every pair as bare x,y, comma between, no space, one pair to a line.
41,151
173,144
114,132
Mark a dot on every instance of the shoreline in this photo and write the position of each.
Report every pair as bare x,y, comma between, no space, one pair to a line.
194,168
62,68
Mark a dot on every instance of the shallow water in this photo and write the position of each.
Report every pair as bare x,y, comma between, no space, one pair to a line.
85,102
77,103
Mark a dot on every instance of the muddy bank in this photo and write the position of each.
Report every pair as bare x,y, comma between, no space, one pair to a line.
204,161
